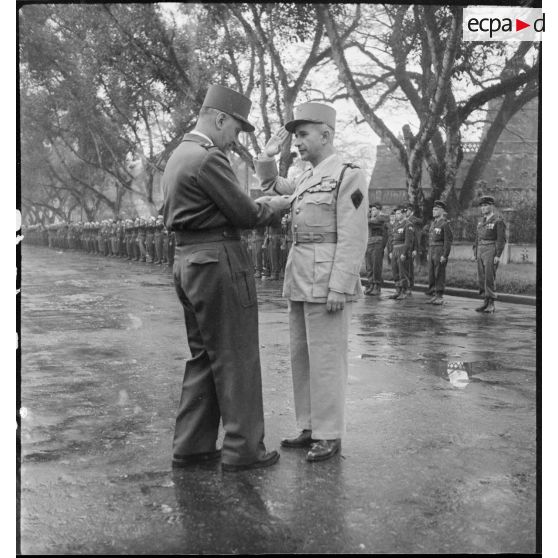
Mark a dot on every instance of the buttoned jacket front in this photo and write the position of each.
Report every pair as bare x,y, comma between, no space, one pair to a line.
321,207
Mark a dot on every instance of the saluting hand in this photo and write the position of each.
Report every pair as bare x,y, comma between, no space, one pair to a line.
273,146
335,301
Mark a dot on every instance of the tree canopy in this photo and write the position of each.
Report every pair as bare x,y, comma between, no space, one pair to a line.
105,85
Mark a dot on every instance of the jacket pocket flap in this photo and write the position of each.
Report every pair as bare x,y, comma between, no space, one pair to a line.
324,253
203,257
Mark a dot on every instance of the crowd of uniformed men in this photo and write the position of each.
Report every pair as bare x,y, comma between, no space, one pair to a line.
401,238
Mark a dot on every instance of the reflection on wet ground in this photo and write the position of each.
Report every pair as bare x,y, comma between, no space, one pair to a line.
439,455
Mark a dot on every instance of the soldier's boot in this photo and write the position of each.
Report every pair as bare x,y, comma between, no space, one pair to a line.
431,300
375,290
403,294
438,300
368,290
490,309
395,294
482,308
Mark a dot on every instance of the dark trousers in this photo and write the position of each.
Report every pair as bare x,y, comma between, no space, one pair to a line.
486,269
399,268
436,271
215,284
374,262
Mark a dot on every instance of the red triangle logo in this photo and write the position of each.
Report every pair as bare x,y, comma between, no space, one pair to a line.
519,25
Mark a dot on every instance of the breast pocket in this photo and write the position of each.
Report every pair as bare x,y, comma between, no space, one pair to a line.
319,209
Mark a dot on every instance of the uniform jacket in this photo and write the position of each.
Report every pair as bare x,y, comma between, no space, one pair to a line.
440,234
202,192
313,269
378,227
402,232
492,229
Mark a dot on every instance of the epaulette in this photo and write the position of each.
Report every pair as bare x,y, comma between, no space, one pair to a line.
206,144
351,165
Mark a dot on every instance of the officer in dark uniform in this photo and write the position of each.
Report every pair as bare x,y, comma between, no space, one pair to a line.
402,241
440,238
488,248
377,240
205,208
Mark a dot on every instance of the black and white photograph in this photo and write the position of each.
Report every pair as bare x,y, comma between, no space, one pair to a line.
279,271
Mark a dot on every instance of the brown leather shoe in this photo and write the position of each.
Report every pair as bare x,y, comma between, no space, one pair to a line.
270,458
303,440
324,449
194,458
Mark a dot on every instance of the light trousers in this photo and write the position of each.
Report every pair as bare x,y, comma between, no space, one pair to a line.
319,363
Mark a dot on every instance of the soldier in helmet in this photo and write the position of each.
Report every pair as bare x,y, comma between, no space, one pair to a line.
488,248
158,239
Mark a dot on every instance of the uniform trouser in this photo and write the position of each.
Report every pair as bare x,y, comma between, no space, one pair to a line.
136,248
487,270
411,268
129,248
142,248
436,271
158,242
274,248
319,363
222,379
257,254
374,261
399,268
114,245
149,247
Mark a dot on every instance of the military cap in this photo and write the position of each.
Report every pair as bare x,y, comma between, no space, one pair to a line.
377,205
233,103
318,113
402,207
486,200
441,204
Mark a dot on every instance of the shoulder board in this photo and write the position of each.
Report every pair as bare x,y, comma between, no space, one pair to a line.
351,165
206,145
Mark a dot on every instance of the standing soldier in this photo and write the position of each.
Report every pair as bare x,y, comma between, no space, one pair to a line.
149,236
440,237
329,205
130,239
274,250
258,255
206,209
377,240
158,239
417,242
488,248
403,237
142,231
135,240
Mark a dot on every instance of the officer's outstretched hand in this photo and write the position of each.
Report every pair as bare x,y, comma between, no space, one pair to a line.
277,203
335,301
273,146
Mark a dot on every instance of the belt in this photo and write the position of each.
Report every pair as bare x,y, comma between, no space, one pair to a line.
311,238
206,235
399,245
485,242
436,244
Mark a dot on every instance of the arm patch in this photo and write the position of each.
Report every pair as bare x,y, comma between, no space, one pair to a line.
357,198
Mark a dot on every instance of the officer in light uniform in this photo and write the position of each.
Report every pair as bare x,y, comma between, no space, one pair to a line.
488,248
322,275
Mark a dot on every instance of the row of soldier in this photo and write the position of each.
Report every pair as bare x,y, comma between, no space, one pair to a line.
407,241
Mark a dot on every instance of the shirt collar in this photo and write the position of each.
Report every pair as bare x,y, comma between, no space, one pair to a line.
198,133
323,163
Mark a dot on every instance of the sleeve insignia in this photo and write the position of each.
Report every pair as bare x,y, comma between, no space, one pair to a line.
357,198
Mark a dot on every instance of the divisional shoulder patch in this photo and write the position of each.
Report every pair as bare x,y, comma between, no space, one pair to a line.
357,197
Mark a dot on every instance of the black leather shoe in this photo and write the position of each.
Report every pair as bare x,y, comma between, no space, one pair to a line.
481,308
270,458
490,309
394,295
324,449
303,440
194,458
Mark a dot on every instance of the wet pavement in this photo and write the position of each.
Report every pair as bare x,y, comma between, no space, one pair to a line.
439,455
